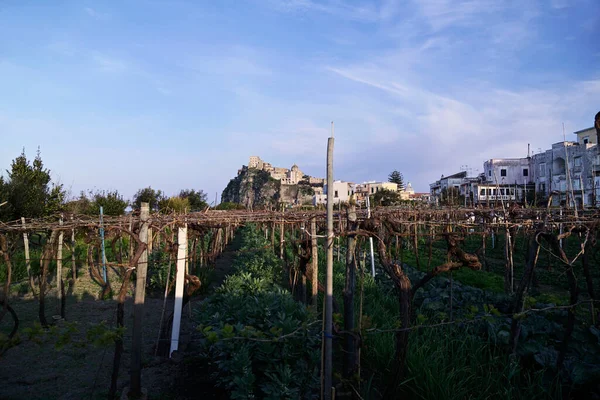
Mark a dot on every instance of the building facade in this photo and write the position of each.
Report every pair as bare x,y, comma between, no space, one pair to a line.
341,193
568,173
287,176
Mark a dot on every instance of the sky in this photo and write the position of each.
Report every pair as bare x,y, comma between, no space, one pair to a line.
174,94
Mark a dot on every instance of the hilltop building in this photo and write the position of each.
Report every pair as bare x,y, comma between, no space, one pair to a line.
291,176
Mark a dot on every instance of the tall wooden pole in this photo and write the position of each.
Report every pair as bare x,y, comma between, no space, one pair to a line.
103,248
327,370
138,308
350,342
59,270
281,239
73,261
315,262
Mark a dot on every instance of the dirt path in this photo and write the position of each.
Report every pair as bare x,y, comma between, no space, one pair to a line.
35,369
193,378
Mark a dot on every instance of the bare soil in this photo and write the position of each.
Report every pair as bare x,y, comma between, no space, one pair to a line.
35,369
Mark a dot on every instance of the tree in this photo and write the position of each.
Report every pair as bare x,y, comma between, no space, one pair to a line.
451,197
397,178
112,203
28,189
147,195
176,204
197,199
385,198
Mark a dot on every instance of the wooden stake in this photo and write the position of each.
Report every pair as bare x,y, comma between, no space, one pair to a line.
315,262
73,261
327,370
281,239
350,342
59,282
138,308
179,284
27,259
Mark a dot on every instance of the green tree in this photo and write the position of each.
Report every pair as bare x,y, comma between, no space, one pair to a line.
397,178
81,205
385,198
29,191
197,199
451,197
112,203
174,204
148,195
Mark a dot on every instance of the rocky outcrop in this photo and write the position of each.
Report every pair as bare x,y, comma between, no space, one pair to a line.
255,189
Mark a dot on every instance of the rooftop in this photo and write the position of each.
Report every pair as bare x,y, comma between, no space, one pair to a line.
585,130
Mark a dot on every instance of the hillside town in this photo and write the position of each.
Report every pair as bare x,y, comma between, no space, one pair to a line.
342,190
566,174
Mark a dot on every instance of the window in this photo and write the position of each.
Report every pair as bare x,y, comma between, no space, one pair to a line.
543,187
586,139
335,194
489,191
482,193
543,169
490,172
372,190
577,161
525,171
501,192
512,191
503,172
494,192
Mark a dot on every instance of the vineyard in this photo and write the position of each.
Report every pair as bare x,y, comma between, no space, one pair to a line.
455,303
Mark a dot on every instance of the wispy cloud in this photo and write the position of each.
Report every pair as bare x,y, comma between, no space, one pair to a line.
95,14
235,60
108,63
365,12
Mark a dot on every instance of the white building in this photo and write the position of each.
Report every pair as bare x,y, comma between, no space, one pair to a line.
569,167
341,193
569,171
446,182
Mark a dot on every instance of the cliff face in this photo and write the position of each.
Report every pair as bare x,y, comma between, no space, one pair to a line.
256,189
253,189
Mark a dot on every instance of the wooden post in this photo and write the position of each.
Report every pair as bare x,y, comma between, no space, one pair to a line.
281,239
350,342
273,236
59,281
27,259
327,370
104,273
130,255
150,243
138,308
179,283
73,261
371,239
315,262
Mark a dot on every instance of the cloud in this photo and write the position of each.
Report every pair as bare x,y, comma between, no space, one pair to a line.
364,12
95,14
475,124
109,64
234,60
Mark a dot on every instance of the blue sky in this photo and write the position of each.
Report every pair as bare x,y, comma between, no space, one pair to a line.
178,94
